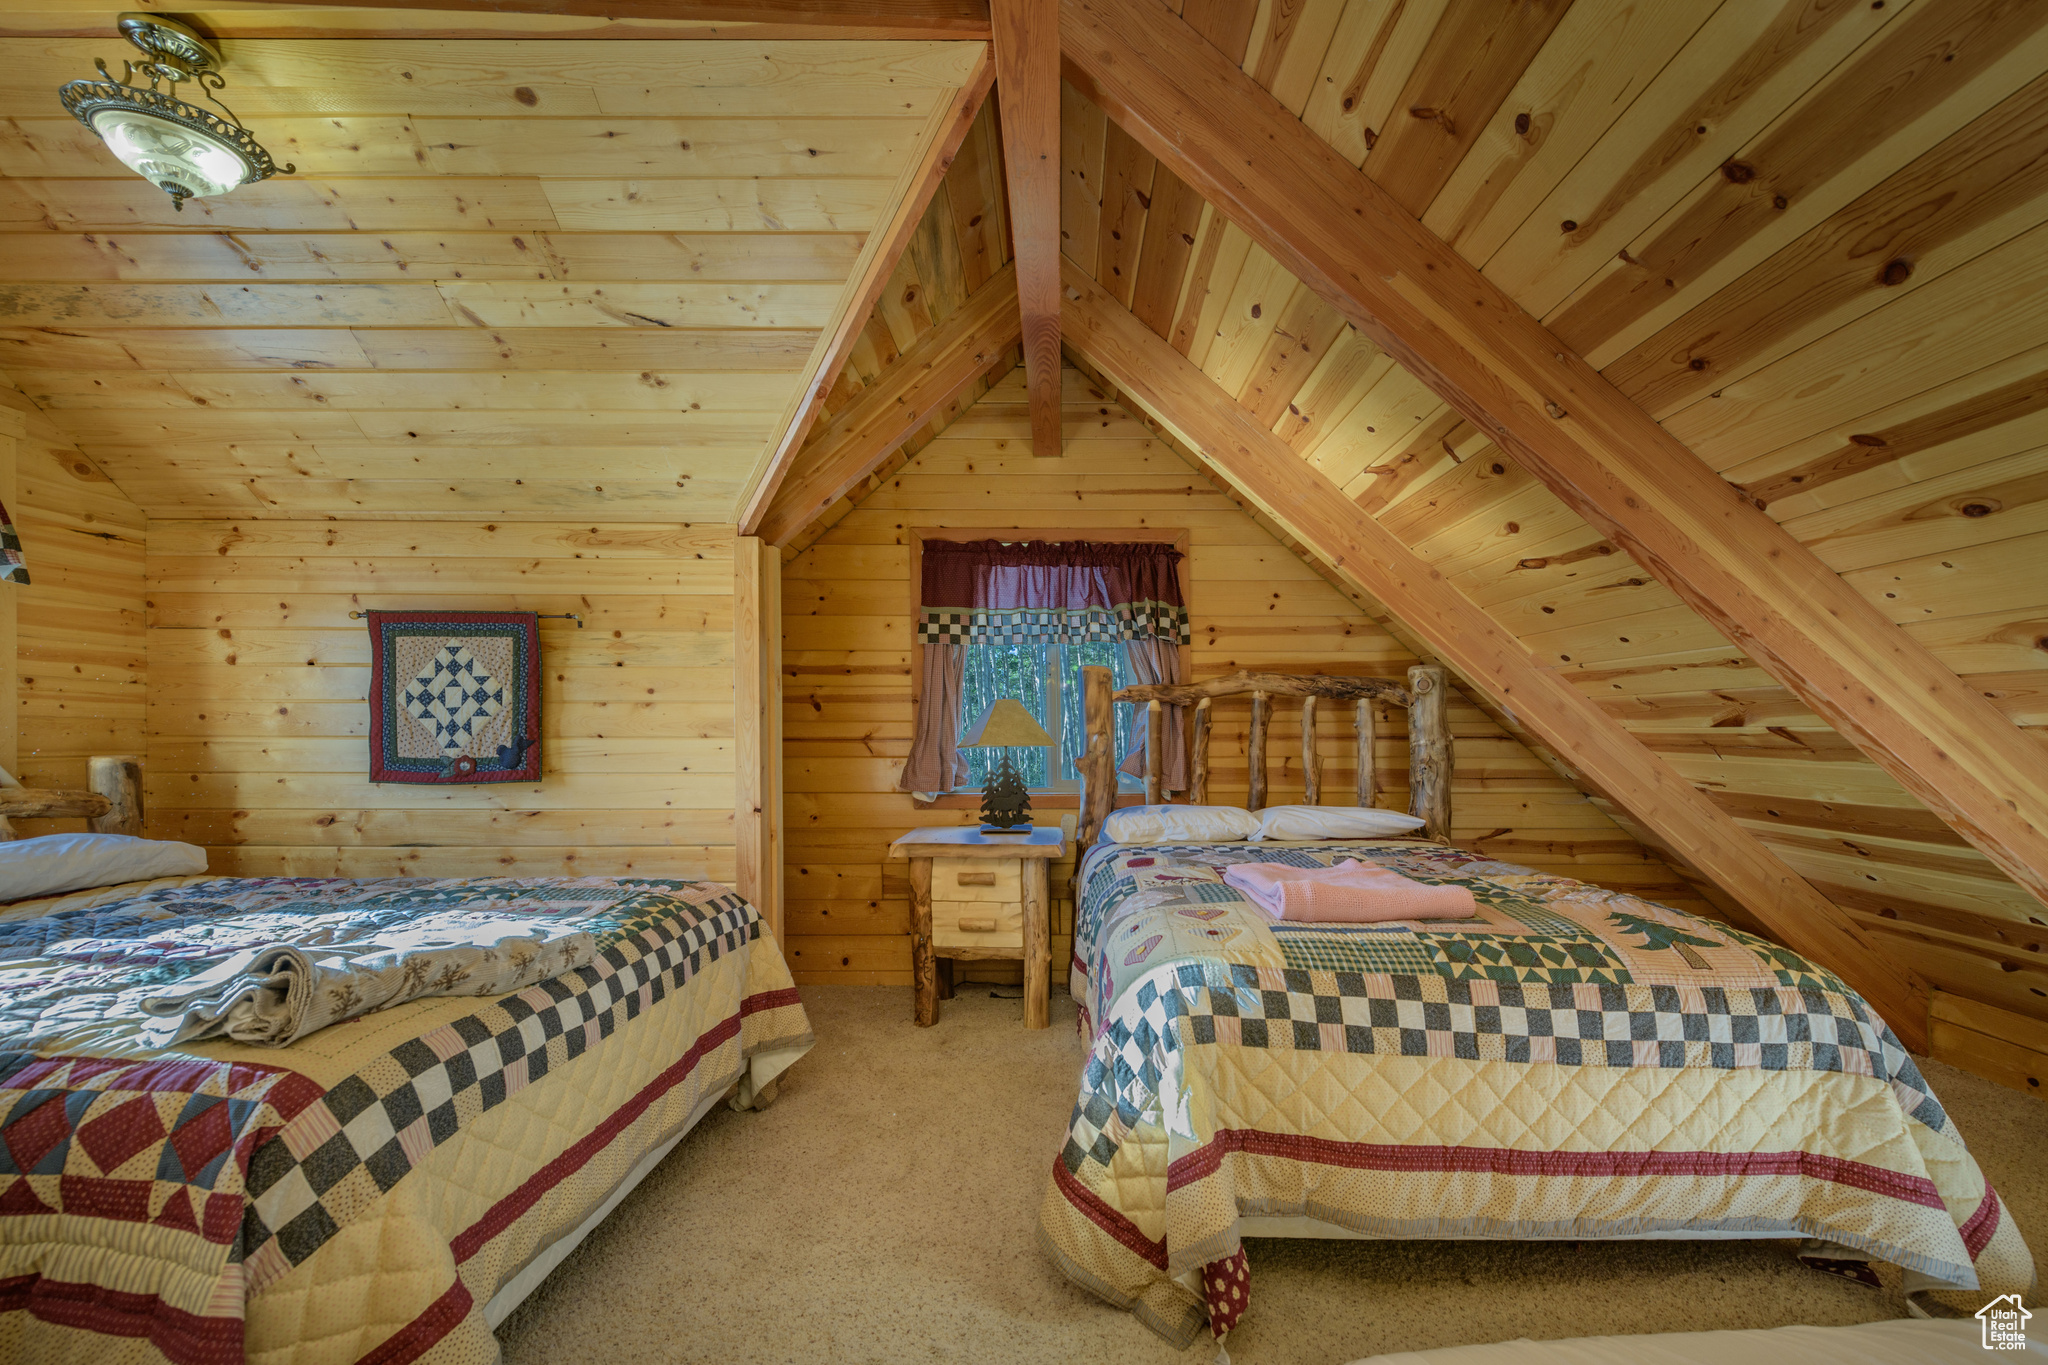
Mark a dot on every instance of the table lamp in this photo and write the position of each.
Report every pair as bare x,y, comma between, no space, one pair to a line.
1005,802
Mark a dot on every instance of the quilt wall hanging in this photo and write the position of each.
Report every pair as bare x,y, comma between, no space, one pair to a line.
13,568
454,696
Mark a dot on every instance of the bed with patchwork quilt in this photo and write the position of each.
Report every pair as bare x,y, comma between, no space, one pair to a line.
1572,1063
386,1187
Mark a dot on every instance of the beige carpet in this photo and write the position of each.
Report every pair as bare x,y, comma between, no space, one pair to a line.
883,1211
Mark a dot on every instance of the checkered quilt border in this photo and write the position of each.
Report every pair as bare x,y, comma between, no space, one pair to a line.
1779,1028
363,1138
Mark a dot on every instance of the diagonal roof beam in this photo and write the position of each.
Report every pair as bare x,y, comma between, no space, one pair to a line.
1188,403
756,19
1027,43
923,380
1402,286
943,134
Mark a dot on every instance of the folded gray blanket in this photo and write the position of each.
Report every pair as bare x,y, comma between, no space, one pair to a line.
278,993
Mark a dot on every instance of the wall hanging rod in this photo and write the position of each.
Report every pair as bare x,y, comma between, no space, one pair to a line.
538,616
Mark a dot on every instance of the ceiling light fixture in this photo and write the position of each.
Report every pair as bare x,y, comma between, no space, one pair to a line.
182,149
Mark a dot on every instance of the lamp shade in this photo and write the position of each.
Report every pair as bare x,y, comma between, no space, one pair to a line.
178,158
1004,725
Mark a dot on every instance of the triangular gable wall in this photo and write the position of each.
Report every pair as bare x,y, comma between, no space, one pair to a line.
1255,602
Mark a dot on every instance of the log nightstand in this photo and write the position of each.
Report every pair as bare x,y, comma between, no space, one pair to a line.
975,895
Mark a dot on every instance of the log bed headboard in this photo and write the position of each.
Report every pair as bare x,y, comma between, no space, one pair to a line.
113,806
1429,737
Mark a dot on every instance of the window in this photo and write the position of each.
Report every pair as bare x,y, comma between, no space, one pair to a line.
1046,678
1019,619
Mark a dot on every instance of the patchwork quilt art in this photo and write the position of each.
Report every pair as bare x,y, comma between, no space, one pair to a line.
454,696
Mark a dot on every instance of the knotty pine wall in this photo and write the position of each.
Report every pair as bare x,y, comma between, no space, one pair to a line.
846,676
258,700
79,654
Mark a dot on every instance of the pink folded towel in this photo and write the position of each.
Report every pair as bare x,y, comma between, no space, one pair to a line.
1349,893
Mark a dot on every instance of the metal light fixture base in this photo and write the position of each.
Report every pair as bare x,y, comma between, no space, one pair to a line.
161,37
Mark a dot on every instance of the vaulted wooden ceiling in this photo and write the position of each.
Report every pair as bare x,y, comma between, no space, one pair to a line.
1805,237
1808,237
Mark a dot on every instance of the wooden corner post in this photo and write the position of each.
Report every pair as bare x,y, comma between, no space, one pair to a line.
757,726
12,431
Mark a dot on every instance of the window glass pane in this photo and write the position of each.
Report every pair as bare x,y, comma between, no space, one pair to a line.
1100,654
992,671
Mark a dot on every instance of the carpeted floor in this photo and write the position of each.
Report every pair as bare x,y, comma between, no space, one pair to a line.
883,1210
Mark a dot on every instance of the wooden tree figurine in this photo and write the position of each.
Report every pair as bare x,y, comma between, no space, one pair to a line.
1005,801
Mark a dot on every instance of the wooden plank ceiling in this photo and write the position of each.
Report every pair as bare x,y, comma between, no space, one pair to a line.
522,279
1835,297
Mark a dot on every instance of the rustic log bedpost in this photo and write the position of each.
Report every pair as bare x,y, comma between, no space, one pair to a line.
924,972
1311,761
118,778
1368,773
1255,752
1429,750
1155,738
1096,764
1198,756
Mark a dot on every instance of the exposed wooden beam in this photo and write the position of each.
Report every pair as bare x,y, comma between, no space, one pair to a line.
1172,391
710,19
1546,407
877,262
932,373
1028,76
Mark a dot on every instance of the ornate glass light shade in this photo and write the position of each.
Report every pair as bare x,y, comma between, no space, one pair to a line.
183,149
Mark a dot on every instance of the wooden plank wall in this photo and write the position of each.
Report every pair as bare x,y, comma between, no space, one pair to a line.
79,652
259,685
1255,604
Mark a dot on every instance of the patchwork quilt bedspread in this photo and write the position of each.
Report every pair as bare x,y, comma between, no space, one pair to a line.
1573,1063
363,1193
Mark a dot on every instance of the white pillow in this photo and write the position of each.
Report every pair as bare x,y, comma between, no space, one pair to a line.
1179,824
54,863
1332,822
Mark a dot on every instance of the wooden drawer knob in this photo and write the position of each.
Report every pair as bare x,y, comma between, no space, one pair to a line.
977,878
977,924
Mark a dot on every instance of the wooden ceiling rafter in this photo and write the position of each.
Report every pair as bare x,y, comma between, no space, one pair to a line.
1173,391
945,131
712,19
909,393
1027,43
1606,459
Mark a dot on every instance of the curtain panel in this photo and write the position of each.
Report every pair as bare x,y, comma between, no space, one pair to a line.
1069,592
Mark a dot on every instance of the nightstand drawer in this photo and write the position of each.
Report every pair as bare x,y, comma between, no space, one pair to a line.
976,924
977,879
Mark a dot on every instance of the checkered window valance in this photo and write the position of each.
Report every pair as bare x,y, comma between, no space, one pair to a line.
1072,592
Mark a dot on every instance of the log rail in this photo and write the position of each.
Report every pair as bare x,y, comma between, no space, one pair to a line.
112,806
1429,737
